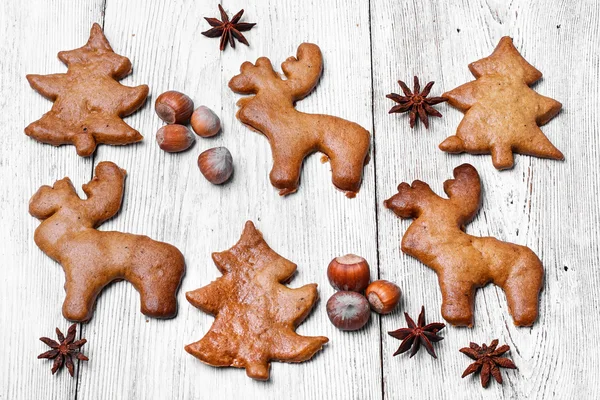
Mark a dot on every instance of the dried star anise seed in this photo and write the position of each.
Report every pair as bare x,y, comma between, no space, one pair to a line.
487,360
64,350
416,103
417,335
228,30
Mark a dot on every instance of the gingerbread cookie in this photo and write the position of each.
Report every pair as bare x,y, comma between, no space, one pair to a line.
294,135
88,101
463,262
255,315
92,259
502,113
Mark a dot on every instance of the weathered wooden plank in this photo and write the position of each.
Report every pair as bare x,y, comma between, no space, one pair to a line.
168,199
31,292
547,205
532,204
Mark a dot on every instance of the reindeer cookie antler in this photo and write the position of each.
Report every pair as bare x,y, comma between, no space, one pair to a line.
463,262
293,134
92,259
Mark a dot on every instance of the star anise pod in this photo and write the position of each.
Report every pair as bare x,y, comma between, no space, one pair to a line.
416,103
417,335
64,350
228,30
487,360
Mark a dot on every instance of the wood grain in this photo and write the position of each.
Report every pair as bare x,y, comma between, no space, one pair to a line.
31,291
531,204
168,199
547,205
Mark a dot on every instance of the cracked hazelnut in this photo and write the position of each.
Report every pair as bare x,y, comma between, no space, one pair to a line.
349,272
174,107
383,296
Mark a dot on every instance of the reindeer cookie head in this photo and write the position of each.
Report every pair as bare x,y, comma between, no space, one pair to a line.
302,73
464,262
48,200
407,203
464,193
104,194
294,135
92,259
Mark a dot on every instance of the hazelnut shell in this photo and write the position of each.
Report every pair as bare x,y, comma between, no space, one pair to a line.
349,272
205,122
216,165
348,311
383,296
174,138
174,107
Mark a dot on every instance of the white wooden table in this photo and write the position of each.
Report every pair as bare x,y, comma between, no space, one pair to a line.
549,206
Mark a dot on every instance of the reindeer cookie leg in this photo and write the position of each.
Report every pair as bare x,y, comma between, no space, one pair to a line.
347,174
457,301
157,302
79,301
157,276
157,306
348,160
287,165
522,288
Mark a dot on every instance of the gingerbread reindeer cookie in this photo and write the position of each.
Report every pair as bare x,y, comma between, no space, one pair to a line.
92,259
88,101
294,135
502,113
463,262
255,314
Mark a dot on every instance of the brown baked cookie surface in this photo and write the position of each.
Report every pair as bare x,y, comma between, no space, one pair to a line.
463,262
255,315
88,101
92,259
502,113
294,135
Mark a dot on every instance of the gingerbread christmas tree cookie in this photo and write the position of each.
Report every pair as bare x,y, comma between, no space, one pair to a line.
255,315
89,102
502,113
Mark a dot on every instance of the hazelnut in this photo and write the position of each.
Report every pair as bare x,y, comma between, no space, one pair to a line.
349,272
174,107
383,296
174,138
205,122
216,164
348,311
